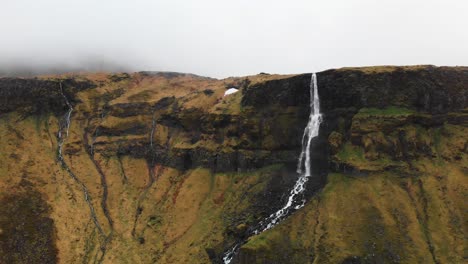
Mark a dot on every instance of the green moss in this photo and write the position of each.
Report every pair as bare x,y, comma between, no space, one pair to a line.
351,153
384,69
389,111
38,120
333,180
436,138
356,157
258,242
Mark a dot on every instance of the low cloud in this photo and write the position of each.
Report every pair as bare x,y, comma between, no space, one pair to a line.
23,69
228,38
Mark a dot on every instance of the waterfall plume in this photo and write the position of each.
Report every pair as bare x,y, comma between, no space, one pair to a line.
303,169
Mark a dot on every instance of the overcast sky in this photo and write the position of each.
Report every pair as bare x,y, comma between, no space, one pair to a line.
221,38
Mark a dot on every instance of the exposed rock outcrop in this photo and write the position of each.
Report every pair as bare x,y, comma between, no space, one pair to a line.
177,171
37,96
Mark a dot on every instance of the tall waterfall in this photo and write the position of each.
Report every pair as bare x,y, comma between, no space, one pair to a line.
303,169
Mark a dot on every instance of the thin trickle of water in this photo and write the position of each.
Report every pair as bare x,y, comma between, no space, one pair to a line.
96,133
151,173
65,125
303,169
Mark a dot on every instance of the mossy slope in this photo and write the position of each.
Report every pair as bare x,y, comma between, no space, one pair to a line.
396,196
175,172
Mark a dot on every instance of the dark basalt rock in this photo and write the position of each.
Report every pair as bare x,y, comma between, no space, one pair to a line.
429,89
164,103
292,91
437,95
273,114
35,96
140,108
264,139
138,129
129,109
269,127
119,77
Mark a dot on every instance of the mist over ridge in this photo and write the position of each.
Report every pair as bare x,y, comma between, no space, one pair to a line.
221,39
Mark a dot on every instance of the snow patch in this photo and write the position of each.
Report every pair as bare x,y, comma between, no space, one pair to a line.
231,91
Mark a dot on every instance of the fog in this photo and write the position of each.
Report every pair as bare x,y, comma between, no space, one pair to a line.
220,38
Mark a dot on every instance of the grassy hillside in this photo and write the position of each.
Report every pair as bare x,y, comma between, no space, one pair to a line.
162,168
399,198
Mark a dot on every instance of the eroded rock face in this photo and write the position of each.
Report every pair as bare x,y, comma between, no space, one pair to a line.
397,149
268,128
36,96
183,172
255,137
430,89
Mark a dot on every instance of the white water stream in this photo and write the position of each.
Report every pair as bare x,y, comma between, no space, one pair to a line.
303,169
65,125
67,119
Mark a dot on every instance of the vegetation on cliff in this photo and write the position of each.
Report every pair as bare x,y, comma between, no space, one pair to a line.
176,172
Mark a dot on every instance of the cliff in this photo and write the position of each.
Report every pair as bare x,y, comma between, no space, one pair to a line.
161,167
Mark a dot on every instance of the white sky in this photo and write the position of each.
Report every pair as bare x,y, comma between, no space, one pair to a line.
221,38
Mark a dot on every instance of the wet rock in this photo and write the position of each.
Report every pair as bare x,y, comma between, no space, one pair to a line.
335,140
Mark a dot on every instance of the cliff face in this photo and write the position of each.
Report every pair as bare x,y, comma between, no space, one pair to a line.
160,167
397,142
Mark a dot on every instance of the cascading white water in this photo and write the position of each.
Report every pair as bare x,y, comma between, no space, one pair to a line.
303,168
303,165
312,128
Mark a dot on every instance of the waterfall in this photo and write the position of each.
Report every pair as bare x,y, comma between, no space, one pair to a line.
151,173
64,125
311,130
303,169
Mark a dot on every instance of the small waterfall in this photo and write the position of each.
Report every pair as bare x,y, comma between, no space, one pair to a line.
152,175
62,134
96,133
64,125
303,169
